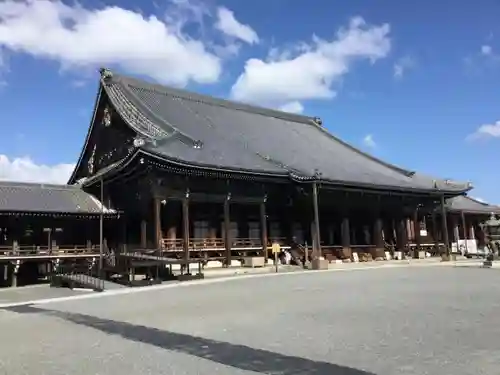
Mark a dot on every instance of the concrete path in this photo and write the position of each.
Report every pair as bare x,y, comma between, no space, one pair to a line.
388,321
43,293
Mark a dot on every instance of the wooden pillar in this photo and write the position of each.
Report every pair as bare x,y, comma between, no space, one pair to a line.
472,231
316,232
378,238
454,225
345,238
15,272
401,236
263,229
185,231
227,231
124,233
157,215
444,224
435,233
416,231
464,226
144,234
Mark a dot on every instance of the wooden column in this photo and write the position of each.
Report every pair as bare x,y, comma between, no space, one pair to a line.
185,231
317,235
472,230
444,224
401,237
123,221
454,225
345,238
227,230
464,227
144,234
435,233
157,214
378,238
416,231
263,229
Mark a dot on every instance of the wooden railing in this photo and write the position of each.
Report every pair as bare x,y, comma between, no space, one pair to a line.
210,244
37,251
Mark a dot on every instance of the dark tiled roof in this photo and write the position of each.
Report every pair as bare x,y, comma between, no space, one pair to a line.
46,198
468,204
239,137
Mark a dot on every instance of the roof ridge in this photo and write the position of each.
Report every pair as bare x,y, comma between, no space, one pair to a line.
211,100
401,170
477,201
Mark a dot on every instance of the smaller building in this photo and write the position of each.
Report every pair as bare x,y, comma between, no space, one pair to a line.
42,225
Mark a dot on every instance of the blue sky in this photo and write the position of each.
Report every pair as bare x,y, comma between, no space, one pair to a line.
415,83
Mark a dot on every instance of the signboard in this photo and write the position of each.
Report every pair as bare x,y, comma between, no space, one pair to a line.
423,232
464,246
276,248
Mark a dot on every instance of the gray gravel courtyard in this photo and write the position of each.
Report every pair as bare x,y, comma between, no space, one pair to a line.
422,320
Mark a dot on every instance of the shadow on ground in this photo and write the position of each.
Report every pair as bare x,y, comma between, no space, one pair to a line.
237,356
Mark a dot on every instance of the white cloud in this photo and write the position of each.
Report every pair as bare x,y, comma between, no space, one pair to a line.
229,25
486,131
79,37
368,141
292,107
26,170
310,72
486,50
402,65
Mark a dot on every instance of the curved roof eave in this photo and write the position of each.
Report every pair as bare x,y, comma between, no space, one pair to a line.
148,127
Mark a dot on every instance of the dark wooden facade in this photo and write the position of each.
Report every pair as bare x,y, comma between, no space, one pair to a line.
191,212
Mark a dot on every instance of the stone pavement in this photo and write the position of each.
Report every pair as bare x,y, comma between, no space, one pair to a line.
393,321
35,292
42,292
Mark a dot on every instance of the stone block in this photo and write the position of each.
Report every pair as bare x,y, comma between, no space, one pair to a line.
254,262
378,254
346,253
319,264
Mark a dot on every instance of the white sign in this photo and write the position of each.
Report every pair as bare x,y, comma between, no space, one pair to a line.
464,246
423,232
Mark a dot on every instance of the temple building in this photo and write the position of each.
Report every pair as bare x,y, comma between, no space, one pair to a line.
197,177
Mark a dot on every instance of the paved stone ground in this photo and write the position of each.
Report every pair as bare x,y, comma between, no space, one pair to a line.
387,321
34,292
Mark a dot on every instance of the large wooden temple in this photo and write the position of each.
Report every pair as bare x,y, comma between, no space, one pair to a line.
196,177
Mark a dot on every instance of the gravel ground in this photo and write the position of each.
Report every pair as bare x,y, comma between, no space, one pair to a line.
434,320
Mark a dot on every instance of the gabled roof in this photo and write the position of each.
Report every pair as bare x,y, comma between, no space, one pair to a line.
203,131
469,205
47,198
